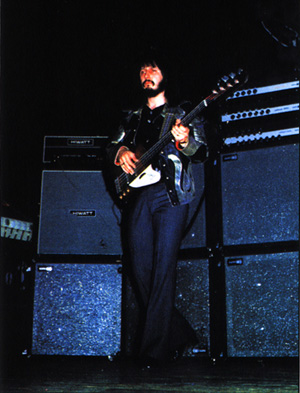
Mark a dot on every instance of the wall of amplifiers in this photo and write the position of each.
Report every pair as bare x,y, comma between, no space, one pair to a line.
238,267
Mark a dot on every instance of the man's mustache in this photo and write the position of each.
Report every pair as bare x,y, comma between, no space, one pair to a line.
146,81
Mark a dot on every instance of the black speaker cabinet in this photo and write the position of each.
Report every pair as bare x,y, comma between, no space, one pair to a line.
192,301
77,309
262,305
195,233
77,215
260,195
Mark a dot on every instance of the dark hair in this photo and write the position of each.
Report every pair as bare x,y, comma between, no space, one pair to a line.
154,58
168,65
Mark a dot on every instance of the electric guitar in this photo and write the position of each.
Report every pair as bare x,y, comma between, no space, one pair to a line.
144,174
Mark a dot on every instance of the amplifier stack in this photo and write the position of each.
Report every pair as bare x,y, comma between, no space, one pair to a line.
254,240
261,114
78,272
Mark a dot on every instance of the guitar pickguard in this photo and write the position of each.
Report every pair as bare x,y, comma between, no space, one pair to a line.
147,177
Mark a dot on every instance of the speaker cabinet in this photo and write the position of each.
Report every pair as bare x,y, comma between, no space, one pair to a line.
262,305
260,195
77,309
192,301
195,233
77,215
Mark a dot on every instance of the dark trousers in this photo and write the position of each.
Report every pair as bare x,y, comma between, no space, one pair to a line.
154,230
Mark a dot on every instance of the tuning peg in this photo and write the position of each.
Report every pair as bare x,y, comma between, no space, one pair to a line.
225,78
242,76
222,83
234,78
220,87
229,81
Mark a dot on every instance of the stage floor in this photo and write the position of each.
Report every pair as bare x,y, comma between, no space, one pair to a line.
92,375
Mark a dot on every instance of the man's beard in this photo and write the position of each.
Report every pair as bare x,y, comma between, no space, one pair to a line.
154,92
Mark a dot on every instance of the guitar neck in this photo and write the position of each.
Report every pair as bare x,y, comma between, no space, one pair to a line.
147,157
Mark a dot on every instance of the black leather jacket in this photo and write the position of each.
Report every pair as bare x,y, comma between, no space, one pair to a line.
174,164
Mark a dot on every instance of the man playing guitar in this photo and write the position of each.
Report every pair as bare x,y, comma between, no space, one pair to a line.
156,213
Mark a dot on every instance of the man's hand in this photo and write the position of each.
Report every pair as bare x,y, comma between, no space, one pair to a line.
127,160
180,133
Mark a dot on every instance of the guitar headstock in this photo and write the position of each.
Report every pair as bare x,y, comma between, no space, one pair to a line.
231,81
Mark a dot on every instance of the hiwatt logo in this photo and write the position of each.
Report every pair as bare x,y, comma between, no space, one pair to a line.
16,229
83,213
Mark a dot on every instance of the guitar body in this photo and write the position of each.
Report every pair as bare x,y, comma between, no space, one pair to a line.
146,178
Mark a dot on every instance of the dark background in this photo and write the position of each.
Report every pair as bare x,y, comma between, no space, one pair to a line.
67,67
